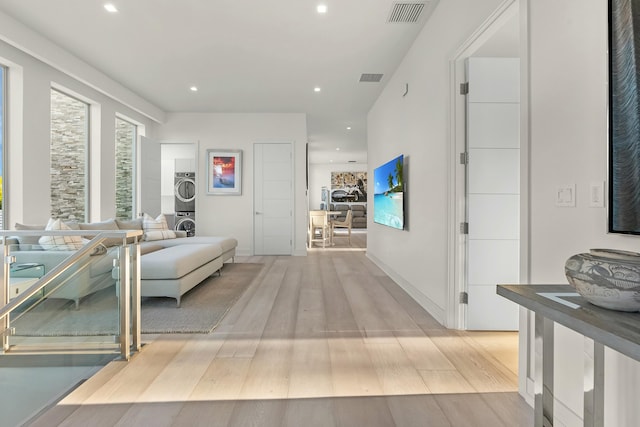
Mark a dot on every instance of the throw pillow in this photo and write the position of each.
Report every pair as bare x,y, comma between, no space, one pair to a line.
156,226
156,235
59,243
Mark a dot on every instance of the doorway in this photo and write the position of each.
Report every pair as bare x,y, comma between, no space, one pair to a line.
273,199
160,163
492,190
485,176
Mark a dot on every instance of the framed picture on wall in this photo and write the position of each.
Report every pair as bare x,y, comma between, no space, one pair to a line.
624,118
224,172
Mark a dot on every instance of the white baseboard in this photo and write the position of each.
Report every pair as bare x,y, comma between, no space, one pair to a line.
425,302
245,252
530,394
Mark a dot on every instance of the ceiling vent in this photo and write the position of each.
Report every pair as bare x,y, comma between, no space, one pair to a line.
370,78
406,12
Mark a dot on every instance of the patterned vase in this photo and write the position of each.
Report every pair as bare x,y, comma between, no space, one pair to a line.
607,278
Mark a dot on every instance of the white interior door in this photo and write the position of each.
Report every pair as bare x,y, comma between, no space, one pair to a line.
150,173
273,199
493,190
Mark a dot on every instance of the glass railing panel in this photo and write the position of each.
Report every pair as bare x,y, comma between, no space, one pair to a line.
60,296
71,321
78,309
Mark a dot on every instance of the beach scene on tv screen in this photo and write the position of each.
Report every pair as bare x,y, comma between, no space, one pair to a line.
388,199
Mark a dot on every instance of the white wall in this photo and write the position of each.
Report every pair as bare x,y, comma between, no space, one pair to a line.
27,172
233,215
320,176
417,126
568,144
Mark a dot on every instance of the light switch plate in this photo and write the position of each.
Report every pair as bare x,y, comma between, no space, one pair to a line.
596,195
566,195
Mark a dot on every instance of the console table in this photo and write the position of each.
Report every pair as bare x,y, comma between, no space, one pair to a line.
561,304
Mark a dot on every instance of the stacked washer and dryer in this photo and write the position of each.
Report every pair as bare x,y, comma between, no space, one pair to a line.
185,202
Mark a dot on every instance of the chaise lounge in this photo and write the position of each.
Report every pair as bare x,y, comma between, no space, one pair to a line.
170,263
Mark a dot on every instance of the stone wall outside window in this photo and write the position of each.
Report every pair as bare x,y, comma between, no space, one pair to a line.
69,140
125,143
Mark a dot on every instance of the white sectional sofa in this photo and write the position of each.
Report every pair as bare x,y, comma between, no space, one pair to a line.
169,266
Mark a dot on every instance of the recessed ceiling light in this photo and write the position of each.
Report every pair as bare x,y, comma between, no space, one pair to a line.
322,8
193,88
338,149
316,89
110,7
348,127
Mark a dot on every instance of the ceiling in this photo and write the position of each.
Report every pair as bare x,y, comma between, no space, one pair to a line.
243,55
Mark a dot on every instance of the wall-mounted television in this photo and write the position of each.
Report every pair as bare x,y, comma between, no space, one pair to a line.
388,194
624,117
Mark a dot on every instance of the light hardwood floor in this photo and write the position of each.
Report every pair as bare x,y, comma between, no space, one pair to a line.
322,340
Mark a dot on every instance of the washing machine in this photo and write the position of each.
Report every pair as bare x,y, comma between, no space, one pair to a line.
186,221
185,192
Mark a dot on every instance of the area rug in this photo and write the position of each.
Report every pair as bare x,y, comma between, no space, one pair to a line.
200,311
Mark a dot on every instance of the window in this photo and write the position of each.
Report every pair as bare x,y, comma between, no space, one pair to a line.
126,136
69,142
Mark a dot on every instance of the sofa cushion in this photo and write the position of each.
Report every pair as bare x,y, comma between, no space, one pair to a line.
59,243
225,243
28,240
129,224
176,261
109,224
152,235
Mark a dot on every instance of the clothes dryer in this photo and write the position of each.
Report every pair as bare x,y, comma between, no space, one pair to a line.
185,192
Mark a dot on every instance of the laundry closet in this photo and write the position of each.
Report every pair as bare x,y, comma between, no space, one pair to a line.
178,186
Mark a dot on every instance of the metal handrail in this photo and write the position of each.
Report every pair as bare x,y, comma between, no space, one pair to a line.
127,312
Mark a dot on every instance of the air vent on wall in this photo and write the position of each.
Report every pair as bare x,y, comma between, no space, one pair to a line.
406,12
372,78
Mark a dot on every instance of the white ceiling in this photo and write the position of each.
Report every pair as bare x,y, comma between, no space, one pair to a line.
243,55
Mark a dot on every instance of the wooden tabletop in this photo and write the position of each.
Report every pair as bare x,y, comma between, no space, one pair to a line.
561,304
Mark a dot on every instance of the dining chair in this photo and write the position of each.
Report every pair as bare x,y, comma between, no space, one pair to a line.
319,228
343,224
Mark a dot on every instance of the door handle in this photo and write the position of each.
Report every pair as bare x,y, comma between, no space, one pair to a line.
258,213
